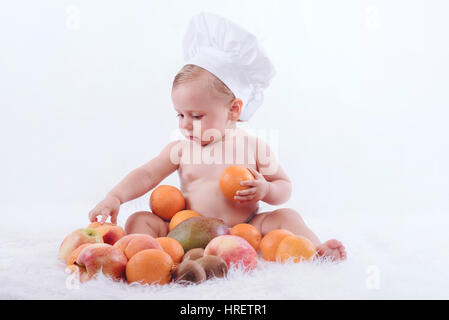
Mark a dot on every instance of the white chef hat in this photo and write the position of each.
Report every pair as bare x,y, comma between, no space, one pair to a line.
232,54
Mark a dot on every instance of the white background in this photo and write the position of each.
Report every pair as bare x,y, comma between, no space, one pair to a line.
360,98
360,101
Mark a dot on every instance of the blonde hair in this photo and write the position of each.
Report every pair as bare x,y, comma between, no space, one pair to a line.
191,72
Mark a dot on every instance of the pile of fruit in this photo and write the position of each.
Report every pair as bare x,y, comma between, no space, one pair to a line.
196,248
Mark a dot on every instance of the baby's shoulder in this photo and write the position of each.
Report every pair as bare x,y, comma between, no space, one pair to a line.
251,138
173,150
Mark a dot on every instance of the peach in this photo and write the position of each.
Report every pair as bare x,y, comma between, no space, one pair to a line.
110,232
74,255
233,250
77,238
97,224
102,256
134,243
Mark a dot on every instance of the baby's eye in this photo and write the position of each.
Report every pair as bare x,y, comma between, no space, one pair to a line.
197,117
179,115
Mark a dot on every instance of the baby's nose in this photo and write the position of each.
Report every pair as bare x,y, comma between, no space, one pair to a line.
186,125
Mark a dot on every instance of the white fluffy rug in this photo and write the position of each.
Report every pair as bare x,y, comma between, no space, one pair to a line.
387,259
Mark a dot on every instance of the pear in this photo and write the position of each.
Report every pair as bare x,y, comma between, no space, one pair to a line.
196,232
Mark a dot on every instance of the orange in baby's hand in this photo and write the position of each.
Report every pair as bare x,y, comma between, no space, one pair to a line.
180,217
270,242
150,266
247,232
230,180
166,200
296,248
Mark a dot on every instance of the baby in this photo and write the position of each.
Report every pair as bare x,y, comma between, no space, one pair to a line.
208,107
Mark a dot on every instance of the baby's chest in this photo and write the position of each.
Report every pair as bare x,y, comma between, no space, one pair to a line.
193,172
209,163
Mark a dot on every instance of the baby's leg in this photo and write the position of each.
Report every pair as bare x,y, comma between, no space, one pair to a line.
284,218
147,223
291,220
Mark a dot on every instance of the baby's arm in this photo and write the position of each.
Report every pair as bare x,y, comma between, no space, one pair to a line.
280,186
135,184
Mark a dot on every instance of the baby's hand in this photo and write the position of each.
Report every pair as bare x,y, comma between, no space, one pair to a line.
105,208
259,189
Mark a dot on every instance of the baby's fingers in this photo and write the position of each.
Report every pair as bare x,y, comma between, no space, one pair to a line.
245,198
255,173
114,217
93,215
248,183
246,192
104,215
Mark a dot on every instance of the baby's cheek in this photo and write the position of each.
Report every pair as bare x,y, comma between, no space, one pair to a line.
209,133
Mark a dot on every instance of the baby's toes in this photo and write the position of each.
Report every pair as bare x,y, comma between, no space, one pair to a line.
343,253
323,250
336,250
333,243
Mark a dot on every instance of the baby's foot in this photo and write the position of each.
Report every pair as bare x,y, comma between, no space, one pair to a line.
333,249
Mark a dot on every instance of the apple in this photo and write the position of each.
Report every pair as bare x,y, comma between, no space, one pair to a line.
233,250
77,238
134,243
102,256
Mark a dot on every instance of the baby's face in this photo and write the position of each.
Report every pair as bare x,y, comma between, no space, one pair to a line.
201,107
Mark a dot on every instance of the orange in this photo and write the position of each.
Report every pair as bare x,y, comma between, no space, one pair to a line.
181,216
270,242
74,255
296,248
166,200
172,247
135,242
247,232
150,266
230,180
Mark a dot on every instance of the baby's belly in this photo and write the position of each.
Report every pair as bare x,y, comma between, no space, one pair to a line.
205,197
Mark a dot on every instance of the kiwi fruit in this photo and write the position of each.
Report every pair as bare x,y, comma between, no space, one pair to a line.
193,254
189,271
214,266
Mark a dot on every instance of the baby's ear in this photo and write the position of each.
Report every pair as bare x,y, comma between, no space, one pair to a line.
235,109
